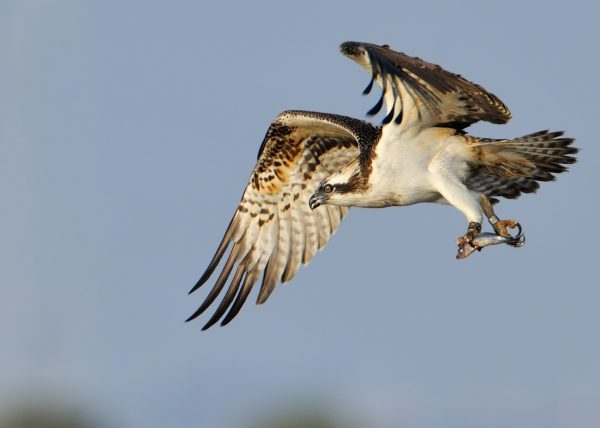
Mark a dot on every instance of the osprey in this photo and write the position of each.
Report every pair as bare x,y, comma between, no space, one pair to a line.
313,166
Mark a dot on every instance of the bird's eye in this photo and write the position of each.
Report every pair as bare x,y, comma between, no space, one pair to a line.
328,188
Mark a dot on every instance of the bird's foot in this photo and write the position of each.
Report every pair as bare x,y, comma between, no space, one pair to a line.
464,242
475,240
501,228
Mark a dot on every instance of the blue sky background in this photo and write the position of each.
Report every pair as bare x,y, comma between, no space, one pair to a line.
128,130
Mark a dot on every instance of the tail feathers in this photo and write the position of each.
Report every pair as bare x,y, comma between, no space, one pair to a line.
535,156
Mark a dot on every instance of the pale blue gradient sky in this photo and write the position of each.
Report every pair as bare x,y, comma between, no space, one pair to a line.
127,132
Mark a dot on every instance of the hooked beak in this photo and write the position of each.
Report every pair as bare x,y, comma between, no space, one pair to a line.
316,200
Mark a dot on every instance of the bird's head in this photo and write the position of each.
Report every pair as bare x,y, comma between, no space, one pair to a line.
322,196
337,189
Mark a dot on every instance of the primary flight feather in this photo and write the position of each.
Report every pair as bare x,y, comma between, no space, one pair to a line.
313,166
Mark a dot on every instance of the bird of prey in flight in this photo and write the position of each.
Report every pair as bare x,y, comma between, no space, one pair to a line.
312,167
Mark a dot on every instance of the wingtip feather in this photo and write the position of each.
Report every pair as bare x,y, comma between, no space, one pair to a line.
216,258
367,90
246,287
198,284
388,118
377,106
229,295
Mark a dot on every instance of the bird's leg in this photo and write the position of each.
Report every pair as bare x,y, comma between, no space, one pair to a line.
444,173
500,226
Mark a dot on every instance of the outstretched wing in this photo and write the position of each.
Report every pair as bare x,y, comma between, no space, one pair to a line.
274,230
419,93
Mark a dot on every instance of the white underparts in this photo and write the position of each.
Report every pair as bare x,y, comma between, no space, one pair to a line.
447,174
420,166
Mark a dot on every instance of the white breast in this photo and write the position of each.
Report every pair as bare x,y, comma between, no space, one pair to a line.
400,174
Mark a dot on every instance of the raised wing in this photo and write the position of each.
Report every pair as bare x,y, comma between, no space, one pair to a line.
419,93
274,230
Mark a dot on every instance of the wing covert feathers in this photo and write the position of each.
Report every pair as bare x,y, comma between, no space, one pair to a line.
274,230
419,93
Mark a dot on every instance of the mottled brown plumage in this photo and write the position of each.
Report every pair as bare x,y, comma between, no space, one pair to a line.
274,230
439,97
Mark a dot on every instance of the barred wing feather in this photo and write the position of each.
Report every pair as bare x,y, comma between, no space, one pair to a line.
273,230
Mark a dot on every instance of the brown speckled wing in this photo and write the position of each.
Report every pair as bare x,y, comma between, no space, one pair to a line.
428,94
274,230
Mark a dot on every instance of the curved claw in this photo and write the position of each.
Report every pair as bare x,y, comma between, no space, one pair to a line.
470,242
501,228
519,230
519,238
